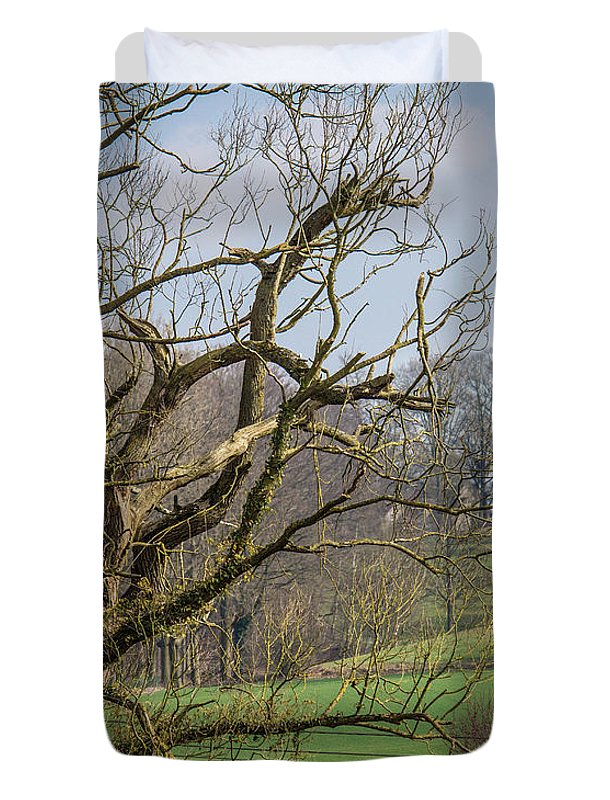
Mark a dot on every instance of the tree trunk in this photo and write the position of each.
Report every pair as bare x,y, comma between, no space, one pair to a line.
117,537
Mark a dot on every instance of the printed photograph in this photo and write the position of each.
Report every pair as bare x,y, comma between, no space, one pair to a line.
296,287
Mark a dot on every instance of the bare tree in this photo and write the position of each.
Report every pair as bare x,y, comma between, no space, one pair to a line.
237,464
463,474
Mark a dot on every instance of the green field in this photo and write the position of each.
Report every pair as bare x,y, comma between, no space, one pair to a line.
336,744
466,650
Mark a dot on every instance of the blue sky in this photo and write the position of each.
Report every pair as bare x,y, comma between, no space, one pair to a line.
465,183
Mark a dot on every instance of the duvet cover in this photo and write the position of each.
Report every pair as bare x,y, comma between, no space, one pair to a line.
296,288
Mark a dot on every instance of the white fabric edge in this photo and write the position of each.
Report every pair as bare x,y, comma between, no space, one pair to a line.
420,58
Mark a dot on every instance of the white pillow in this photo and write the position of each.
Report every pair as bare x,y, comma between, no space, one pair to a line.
419,58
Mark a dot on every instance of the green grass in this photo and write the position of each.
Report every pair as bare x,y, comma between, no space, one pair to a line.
405,686
466,650
338,744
